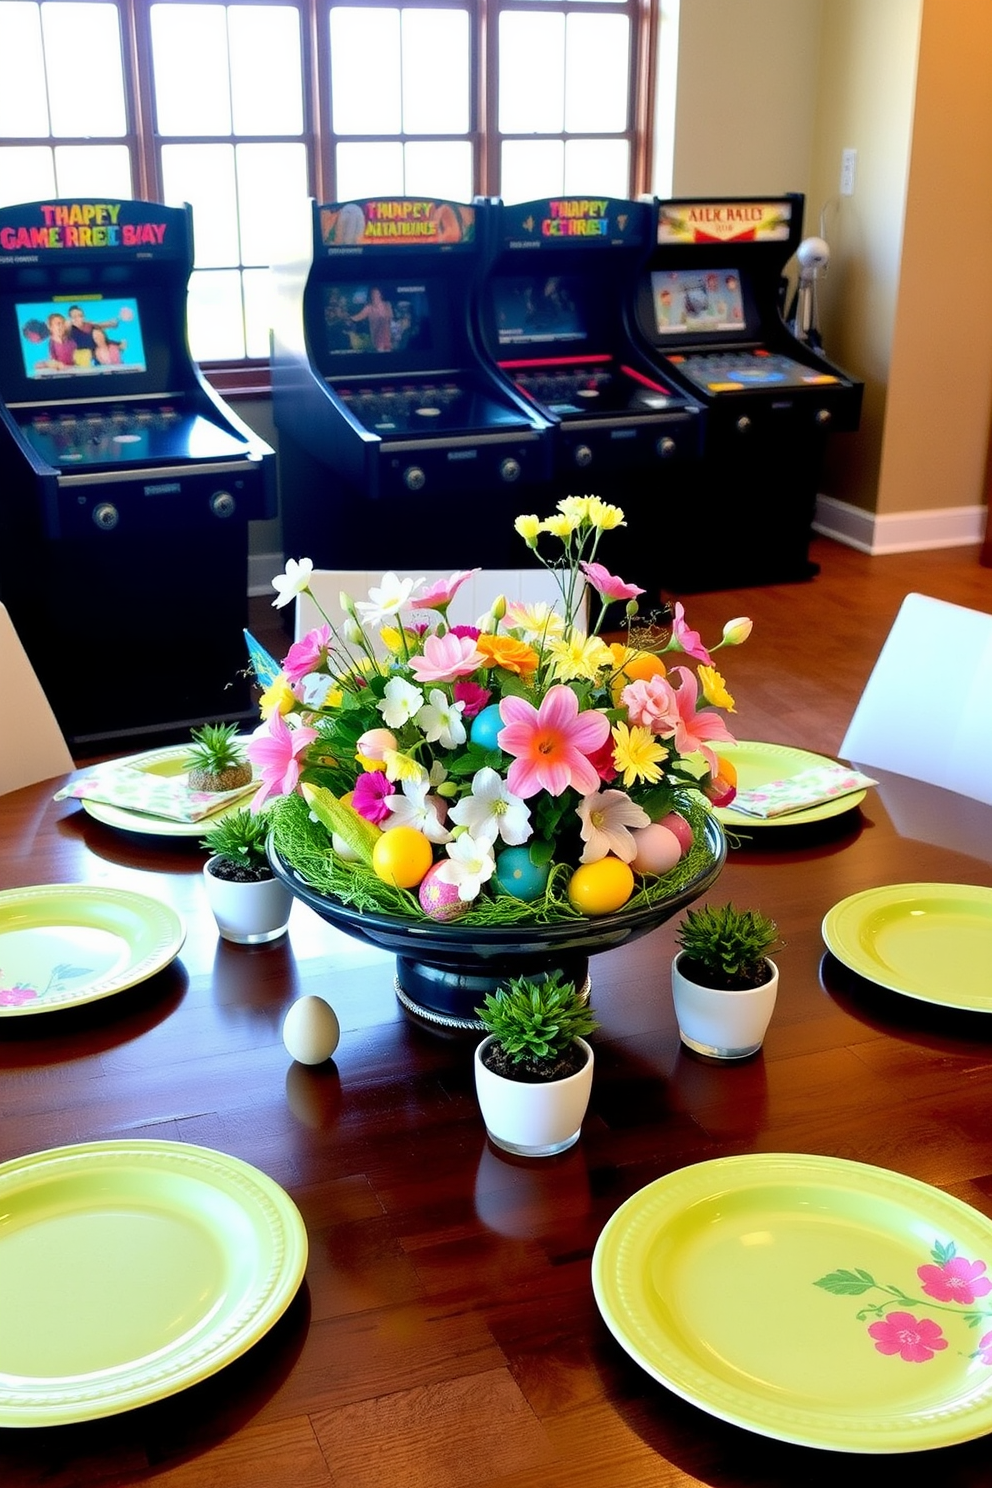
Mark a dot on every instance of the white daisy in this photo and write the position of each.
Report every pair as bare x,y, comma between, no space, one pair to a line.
492,811
470,863
401,701
441,720
296,580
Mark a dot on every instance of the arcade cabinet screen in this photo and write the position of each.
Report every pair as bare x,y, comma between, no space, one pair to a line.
539,309
697,302
80,337
381,316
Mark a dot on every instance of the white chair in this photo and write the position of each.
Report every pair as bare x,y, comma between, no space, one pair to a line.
926,710
522,585
32,746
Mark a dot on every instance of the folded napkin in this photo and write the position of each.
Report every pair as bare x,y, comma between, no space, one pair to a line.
797,792
166,796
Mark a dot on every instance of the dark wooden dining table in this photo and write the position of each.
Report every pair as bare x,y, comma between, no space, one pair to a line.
446,1332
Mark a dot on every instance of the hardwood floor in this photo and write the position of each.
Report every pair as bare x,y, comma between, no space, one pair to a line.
813,645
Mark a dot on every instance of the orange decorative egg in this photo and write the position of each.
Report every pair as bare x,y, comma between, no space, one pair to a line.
600,888
402,857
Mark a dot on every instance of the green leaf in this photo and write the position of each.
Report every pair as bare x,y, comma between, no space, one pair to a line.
541,852
944,1253
846,1283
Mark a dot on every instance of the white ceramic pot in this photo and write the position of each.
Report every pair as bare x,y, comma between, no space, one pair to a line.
533,1118
248,913
724,1025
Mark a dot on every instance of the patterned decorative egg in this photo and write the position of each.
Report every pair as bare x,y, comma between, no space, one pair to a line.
517,875
485,726
439,900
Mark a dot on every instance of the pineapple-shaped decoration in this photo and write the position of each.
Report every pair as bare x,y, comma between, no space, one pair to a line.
216,762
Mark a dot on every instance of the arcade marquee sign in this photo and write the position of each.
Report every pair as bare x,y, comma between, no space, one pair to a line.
40,229
582,219
724,222
416,222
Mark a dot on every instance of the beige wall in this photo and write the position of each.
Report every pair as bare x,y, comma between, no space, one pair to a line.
745,93
769,93
940,378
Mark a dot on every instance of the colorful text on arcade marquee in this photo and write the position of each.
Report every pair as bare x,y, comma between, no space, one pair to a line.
91,225
576,219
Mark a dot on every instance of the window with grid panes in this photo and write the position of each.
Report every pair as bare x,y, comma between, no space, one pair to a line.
241,109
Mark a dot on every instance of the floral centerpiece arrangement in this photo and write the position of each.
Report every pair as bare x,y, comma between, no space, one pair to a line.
518,769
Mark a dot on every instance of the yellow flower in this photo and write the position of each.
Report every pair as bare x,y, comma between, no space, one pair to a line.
575,508
604,516
562,527
393,640
528,527
582,656
401,767
636,754
277,698
714,688
509,653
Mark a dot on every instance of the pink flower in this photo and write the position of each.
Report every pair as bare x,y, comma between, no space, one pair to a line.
603,762
445,658
275,754
688,640
985,1348
607,584
473,696
651,703
472,631
307,654
914,1339
440,595
957,1280
691,729
16,996
371,794
551,744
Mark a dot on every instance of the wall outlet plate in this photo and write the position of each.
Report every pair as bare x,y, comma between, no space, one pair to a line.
848,166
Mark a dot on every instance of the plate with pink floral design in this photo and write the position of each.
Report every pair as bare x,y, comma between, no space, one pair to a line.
811,1299
65,944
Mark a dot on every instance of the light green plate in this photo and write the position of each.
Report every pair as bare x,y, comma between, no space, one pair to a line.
165,762
931,941
757,764
132,1270
64,944
748,1286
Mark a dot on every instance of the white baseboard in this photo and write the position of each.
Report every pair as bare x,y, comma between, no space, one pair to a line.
898,532
262,569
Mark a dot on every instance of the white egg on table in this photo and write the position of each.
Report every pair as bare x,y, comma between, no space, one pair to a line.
310,1030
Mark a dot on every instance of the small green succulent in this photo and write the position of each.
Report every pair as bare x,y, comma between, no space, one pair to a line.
216,759
239,840
726,947
534,1025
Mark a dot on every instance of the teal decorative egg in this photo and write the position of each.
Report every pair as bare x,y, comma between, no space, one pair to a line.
485,726
517,875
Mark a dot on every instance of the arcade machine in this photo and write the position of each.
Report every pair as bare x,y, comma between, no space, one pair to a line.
553,312
707,308
399,446
128,485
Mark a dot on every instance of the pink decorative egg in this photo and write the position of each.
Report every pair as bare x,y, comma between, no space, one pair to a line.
439,900
680,827
658,849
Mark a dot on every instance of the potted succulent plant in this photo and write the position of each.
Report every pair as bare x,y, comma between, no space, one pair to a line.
249,903
216,760
533,1071
724,983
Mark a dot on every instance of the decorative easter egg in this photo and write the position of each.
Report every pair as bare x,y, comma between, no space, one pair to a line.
600,888
658,849
485,726
310,1030
402,856
516,874
678,824
639,666
439,900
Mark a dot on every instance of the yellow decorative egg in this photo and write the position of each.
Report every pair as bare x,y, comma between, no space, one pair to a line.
600,888
402,856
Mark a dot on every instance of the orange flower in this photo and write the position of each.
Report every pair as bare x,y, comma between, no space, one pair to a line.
510,654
